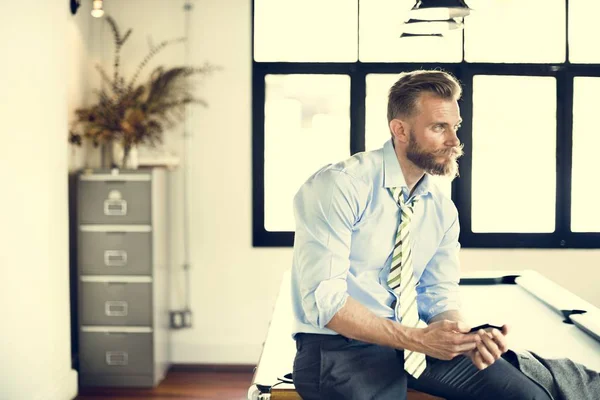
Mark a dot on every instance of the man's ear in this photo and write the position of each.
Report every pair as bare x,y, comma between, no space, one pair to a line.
400,130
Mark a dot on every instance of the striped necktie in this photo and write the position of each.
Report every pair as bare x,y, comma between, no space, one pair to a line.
402,281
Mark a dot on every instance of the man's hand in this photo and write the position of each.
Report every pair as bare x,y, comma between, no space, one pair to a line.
491,347
445,339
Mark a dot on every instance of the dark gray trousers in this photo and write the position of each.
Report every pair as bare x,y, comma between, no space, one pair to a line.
335,367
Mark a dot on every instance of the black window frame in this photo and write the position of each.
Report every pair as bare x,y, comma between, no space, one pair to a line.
564,73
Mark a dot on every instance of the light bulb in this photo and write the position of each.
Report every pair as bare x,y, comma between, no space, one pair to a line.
97,10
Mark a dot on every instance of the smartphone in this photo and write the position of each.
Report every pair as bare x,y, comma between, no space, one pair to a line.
485,326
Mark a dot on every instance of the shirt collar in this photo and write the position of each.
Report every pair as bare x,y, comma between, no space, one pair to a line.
393,176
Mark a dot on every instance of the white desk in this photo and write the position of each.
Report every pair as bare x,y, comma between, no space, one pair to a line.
529,302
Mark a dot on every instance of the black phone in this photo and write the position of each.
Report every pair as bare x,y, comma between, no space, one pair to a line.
485,326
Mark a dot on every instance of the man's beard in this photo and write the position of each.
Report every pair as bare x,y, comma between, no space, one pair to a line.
427,160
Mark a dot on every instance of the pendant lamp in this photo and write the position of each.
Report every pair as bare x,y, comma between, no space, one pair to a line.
430,27
439,10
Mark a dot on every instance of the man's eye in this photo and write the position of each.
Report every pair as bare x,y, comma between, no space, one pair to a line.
438,127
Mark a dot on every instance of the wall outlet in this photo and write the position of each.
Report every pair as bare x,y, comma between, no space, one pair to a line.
176,321
180,319
187,318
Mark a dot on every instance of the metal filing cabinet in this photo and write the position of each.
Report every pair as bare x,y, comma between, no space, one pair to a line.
122,277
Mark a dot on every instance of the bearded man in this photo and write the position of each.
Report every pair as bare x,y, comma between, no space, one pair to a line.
375,268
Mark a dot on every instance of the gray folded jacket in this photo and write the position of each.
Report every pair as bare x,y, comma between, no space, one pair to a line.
562,378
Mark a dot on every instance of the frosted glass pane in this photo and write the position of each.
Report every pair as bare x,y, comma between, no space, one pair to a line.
583,31
585,209
377,131
381,23
514,154
308,30
307,125
511,31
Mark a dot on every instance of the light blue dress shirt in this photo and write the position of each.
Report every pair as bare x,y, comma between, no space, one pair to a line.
346,222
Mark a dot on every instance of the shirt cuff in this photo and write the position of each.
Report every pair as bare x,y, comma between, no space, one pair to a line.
439,306
329,296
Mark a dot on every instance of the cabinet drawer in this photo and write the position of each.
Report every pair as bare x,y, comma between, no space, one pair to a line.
115,353
112,301
124,199
115,252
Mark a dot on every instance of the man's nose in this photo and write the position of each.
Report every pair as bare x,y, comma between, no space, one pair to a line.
453,138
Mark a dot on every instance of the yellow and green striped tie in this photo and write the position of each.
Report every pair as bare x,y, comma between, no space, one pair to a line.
402,281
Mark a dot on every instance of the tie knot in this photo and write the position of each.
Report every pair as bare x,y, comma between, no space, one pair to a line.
399,196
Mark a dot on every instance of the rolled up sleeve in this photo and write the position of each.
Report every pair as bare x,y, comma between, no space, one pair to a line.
438,289
325,209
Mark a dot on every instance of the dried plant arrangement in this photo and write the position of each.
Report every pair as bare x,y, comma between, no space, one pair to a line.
131,113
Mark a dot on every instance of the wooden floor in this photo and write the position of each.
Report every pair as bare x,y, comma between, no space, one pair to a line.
182,384
185,383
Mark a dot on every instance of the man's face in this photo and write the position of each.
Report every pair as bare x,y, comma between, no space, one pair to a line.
433,145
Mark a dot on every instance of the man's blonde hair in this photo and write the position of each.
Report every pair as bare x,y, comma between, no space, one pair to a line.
403,95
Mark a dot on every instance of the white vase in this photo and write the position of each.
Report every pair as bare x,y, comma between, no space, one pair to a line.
132,158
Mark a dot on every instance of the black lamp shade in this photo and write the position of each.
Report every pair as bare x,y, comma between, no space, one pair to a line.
419,27
432,10
415,35
421,4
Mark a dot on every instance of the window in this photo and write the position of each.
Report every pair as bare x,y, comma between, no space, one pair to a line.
322,72
291,30
311,115
514,154
585,215
583,31
502,31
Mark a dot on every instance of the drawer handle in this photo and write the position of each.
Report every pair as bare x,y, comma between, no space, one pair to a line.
117,358
115,258
116,207
115,308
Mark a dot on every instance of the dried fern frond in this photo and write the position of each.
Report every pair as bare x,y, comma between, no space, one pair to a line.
154,50
119,41
104,75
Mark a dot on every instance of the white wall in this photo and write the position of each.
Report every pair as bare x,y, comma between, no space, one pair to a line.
234,285
43,59
81,76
